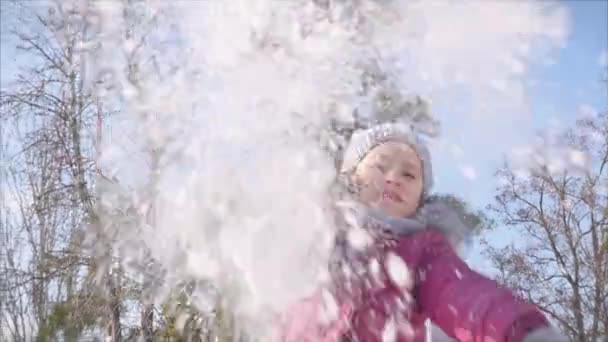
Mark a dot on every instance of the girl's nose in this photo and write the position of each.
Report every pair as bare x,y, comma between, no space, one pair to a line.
392,179
393,182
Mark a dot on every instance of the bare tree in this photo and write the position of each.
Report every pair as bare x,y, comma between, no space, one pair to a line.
562,220
51,111
14,305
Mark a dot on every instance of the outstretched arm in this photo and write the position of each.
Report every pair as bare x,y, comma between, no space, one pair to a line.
463,303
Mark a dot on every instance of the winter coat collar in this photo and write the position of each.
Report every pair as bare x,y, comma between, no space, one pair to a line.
436,216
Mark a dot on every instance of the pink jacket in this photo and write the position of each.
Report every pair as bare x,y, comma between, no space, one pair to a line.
466,305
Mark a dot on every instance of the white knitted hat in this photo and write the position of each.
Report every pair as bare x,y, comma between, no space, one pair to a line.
363,141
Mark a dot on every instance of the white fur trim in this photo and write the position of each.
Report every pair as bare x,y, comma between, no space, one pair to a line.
441,217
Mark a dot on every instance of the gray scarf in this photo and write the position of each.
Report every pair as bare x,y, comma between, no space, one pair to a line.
436,216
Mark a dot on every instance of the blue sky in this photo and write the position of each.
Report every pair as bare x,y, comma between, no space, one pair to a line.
558,89
573,80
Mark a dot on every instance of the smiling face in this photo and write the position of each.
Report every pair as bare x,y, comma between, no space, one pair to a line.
389,178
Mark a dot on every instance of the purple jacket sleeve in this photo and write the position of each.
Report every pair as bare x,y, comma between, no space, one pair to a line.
463,303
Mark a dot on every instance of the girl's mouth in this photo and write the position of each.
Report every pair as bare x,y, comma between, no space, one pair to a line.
393,196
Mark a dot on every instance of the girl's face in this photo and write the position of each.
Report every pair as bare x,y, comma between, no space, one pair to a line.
390,178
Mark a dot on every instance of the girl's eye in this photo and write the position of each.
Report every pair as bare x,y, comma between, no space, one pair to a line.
409,175
379,167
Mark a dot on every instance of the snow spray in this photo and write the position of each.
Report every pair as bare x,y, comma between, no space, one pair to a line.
218,143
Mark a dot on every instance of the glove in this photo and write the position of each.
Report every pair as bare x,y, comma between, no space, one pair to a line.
548,334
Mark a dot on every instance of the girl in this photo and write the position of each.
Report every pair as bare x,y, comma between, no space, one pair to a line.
395,262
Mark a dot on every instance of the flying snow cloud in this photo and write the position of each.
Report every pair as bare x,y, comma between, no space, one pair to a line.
229,95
